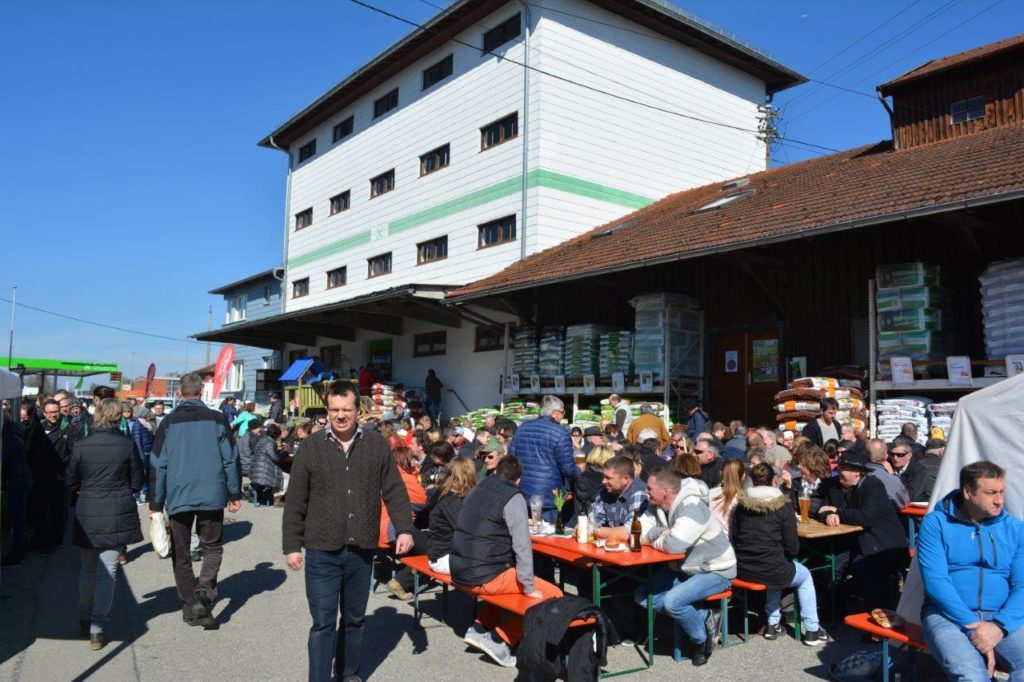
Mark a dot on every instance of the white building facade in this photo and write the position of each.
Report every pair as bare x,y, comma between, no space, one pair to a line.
442,162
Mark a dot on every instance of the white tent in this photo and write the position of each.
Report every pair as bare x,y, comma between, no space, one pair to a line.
987,425
10,385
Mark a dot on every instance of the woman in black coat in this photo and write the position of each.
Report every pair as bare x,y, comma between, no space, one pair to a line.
265,472
764,537
106,471
460,479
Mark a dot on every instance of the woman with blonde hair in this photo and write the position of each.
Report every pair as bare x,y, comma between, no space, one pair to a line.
460,479
591,479
724,496
105,470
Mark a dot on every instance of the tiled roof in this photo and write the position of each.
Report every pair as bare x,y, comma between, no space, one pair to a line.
949,62
863,186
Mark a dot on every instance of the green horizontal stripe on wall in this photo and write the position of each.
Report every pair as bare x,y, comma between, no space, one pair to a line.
536,178
345,244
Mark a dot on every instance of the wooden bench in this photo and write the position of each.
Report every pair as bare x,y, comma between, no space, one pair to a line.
677,632
910,636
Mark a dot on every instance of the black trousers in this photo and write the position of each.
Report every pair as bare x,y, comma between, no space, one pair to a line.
209,526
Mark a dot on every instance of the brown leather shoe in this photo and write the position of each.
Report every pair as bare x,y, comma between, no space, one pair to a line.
98,640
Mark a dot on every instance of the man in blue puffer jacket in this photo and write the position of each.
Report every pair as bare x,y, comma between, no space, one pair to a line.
971,554
544,448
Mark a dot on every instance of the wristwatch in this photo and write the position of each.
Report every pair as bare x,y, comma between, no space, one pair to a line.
999,624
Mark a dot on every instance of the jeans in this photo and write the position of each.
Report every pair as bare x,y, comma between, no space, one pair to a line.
958,657
804,585
96,580
674,594
338,579
209,524
144,457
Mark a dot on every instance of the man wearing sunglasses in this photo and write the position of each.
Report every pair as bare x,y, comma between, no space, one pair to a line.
911,472
711,464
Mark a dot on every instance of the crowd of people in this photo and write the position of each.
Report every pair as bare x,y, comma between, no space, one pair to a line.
727,496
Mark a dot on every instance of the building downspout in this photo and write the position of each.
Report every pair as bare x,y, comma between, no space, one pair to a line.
287,213
892,122
525,127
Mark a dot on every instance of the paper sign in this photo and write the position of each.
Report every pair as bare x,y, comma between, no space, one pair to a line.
1014,365
959,368
589,384
646,382
513,384
535,383
732,361
902,371
618,382
560,383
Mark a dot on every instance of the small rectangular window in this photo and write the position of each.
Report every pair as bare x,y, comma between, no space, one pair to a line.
489,338
429,343
385,104
341,202
438,72
495,133
337,277
432,250
379,265
497,232
342,130
433,160
502,33
300,287
303,219
307,151
965,110
383,183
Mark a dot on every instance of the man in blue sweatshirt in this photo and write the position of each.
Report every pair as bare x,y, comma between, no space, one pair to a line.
971,554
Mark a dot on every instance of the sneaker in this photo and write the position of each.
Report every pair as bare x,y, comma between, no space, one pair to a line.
772,631
202,610
490,644
395,588
97,641
816,637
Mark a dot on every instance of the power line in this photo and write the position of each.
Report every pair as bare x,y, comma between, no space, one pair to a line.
577,83
901,58
97,324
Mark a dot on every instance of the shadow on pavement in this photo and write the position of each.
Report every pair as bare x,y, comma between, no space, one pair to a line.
239,588
235,530
385,629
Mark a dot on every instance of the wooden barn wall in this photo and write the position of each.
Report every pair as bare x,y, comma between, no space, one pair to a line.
922,108
819,283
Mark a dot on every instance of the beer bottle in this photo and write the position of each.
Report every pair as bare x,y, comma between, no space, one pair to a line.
634,532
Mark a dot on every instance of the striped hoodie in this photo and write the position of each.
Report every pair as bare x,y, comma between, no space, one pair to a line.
694,531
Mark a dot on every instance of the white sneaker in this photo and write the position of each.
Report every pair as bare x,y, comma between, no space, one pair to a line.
490,644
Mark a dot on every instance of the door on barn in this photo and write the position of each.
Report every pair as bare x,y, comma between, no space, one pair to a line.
745,376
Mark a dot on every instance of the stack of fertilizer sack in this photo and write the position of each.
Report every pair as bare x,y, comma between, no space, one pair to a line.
524,356
585,418
1003,308
893,413
940,416
910,314
798,405
383,399
551,351
615,353
582,348
515,410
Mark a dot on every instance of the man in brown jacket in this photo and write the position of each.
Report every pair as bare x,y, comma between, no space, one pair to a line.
338,478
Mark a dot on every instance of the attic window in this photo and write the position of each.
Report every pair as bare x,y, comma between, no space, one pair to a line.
724,201
735,184
967,110
615,228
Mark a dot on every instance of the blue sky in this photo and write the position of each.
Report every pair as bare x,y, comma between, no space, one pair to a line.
132,183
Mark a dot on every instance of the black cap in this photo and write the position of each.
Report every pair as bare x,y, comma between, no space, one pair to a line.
593,431
856,458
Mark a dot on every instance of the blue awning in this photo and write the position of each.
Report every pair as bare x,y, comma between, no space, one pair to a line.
299,368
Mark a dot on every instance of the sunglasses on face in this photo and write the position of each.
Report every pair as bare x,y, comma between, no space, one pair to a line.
700,452
900,454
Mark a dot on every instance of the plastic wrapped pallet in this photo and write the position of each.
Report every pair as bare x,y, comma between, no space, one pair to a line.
669,321
909,298
897,275
615,353
551,351
1003,308
583,348
893,413
914,320
524,356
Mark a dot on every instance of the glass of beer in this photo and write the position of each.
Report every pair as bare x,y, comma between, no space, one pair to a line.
805,507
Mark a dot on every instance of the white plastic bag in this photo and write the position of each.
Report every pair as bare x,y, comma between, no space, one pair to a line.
159,535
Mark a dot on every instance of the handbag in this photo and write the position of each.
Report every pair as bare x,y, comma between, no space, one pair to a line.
159,535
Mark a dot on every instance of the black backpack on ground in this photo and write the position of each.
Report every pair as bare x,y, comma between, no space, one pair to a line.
548,640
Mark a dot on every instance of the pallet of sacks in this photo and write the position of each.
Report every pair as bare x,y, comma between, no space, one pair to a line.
797,406
892,413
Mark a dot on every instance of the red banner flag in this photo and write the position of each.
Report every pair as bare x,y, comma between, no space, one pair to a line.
221,369
150,373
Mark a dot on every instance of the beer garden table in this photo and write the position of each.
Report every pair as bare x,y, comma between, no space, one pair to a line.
810,533
617,565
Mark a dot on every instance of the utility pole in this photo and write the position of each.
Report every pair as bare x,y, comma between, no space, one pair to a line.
768,130
209,327
10,343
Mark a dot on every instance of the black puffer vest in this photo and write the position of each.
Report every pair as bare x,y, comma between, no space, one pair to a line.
482,545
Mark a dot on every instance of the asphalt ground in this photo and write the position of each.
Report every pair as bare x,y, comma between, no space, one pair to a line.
263,624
